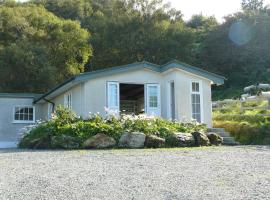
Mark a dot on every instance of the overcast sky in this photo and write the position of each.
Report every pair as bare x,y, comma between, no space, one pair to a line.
218,8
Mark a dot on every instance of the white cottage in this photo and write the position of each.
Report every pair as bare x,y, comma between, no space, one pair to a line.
173,91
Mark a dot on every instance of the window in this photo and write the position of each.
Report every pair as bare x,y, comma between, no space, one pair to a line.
153,97
196,101
24,114
68,100
113,97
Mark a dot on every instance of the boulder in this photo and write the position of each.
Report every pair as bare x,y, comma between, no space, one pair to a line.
180,140
99,141
152,141
215,139
132,140
65,142
201,139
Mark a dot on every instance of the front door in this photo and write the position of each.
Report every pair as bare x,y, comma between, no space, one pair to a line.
153,105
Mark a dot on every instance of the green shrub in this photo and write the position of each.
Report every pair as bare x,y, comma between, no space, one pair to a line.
246,132
67,131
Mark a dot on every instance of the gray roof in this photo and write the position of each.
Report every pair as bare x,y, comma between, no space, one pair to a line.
216,79
20,95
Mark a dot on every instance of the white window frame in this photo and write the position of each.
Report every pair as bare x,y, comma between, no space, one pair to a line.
115,109
24,121
201,98
68,104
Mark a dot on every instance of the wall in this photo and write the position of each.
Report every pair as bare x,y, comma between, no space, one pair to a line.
95,92
95,89
77,101
9,131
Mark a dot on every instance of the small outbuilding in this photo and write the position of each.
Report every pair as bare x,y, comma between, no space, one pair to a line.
175,91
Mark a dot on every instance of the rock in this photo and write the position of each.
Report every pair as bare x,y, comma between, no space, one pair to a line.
152,141
132,140
201,139
65,142
99,141
180,140
215,139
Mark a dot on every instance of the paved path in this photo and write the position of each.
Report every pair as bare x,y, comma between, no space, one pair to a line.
197,173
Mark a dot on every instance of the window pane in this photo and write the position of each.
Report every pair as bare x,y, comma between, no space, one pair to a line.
31,111
195,87
31,117
16,116
153,98
25,117
196,107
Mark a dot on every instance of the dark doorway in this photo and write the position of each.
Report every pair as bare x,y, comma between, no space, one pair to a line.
131,98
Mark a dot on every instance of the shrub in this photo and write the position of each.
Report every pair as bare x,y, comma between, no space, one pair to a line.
65,130
246,132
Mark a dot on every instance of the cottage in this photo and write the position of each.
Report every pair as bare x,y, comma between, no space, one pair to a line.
174,91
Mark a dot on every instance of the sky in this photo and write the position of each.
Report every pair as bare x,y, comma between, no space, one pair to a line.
218,8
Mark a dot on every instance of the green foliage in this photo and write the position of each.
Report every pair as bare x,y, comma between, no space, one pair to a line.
38,49
247,126
128,31
251,5
67,131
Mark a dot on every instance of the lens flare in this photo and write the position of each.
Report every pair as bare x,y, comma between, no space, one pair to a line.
240,33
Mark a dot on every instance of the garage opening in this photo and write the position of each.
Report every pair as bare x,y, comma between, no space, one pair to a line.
131,98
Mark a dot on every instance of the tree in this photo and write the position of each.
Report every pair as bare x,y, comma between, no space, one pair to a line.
38,49
242,63
125,31
252,5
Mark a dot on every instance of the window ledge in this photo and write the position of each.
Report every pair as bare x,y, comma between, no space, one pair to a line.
23,122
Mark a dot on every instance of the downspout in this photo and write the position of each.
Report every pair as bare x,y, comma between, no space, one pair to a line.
53,104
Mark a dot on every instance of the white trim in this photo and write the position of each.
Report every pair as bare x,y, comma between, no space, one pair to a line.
201,97
7,145
158,109
169,107
24,121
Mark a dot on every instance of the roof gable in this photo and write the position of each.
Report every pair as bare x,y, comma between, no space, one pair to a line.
217,79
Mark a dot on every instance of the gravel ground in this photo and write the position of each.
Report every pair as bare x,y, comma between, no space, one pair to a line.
196,173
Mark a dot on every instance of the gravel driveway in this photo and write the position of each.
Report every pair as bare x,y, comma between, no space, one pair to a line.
197,173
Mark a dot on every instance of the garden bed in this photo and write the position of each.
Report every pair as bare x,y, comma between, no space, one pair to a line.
66,131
